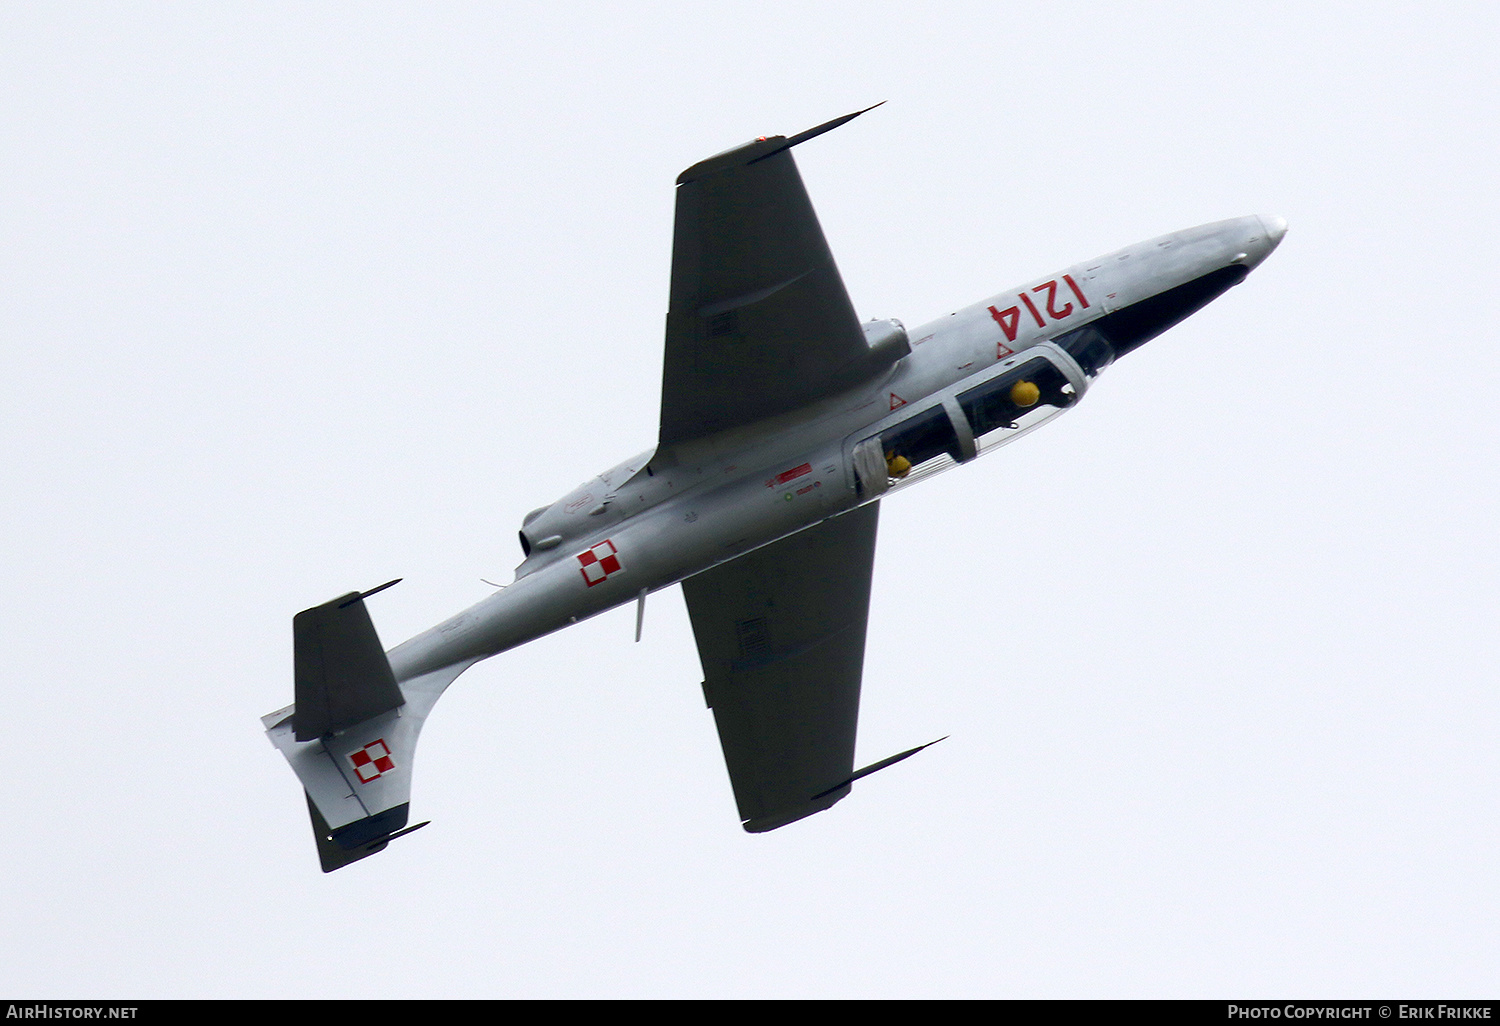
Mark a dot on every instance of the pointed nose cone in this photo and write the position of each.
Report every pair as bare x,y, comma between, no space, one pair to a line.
1275,228
1263,233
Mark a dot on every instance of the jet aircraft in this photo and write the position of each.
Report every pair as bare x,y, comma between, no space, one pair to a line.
784,424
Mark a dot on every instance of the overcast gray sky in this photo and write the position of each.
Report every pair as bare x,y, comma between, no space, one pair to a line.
297,298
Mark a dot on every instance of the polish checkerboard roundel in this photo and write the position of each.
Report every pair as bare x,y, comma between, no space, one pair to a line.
372,760
599,562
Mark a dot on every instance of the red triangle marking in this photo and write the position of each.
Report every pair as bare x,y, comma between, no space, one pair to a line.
896,401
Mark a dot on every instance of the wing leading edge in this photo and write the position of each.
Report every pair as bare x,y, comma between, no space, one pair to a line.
759,322
781,635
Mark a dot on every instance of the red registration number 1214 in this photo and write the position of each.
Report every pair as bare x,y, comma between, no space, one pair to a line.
1009,319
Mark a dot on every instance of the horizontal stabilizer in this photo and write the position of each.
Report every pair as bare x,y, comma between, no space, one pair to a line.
342,675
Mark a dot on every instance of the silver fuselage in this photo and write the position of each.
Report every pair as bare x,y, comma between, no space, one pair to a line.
664,516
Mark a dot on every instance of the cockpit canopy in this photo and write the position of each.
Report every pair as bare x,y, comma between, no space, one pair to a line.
968,420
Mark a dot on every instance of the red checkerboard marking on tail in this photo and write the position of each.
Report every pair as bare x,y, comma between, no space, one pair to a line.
372,760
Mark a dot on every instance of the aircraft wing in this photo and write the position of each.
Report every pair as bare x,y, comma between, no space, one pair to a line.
758,322
781,634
